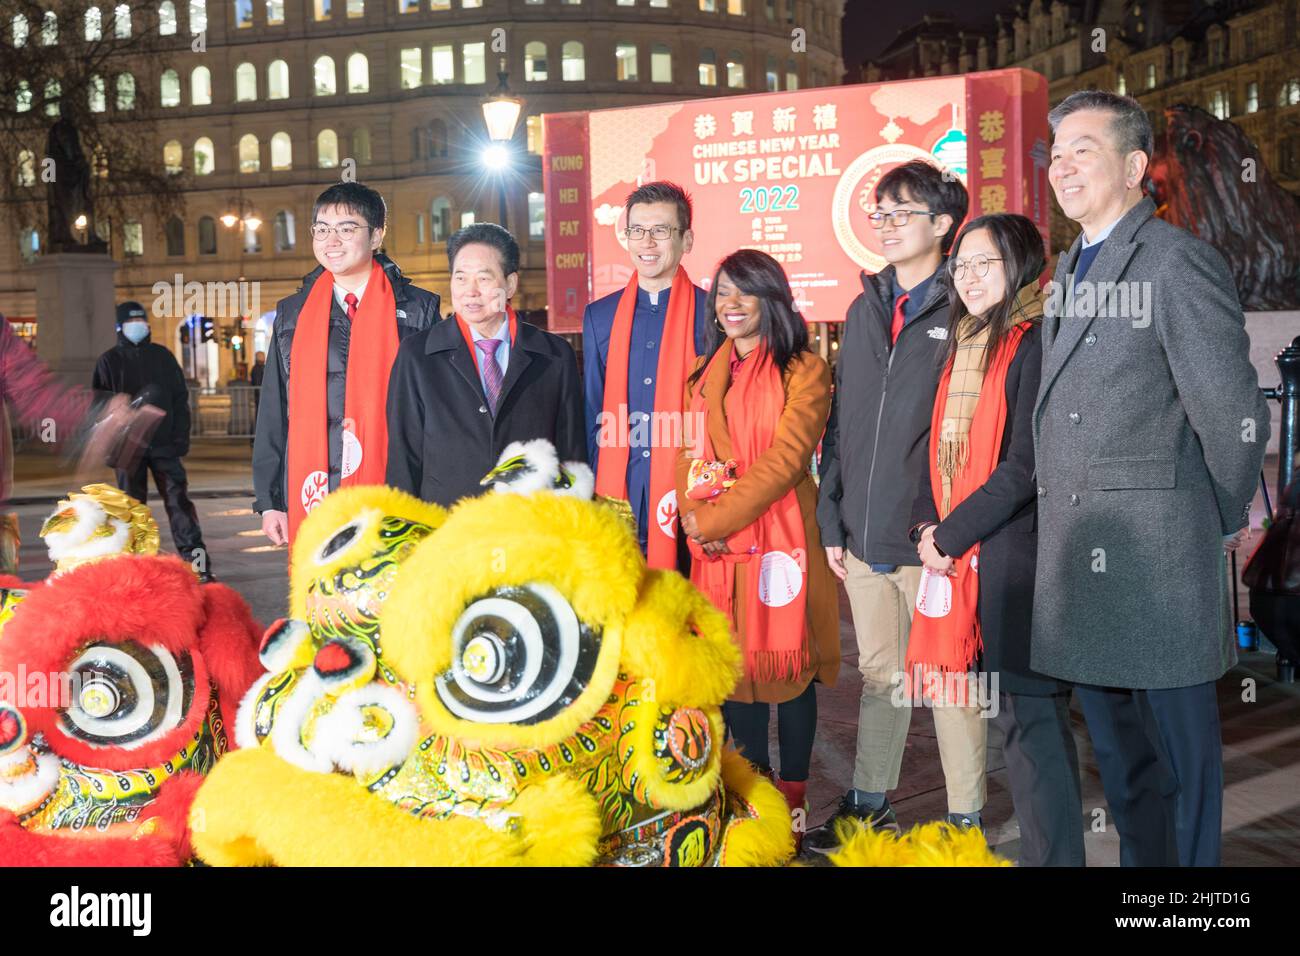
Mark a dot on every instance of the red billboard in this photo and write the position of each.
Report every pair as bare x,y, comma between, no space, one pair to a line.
790,173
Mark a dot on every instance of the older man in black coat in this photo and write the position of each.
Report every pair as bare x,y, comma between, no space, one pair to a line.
479,380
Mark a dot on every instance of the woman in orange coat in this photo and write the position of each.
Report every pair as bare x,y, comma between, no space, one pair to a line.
760,398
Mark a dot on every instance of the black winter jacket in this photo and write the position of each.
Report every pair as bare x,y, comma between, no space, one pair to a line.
150,370
417,309
877,439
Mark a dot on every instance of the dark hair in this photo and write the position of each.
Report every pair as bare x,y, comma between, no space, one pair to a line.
781,328
925,183
487,234
356,198
663,191
1129,122
1020,245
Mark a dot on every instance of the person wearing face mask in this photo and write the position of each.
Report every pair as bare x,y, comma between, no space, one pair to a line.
973,523
763,398
326,423
145,369
479,380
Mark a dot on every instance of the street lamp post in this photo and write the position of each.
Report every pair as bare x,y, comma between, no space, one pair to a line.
501,115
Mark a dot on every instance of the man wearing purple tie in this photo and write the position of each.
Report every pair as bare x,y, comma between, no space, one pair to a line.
479,380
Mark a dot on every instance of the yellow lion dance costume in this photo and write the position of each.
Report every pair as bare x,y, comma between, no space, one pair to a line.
502,684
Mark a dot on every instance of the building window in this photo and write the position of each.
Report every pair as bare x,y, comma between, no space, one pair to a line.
327,149
281,151
709,6
471,4
358,73
534,127
243,14
121,22
1219,104
93,25
198,16
20,30
772,75
200,86
440,219
49,28
1248,44
473,62
625,61
1289,95
408,6
735,70
29,244
361,145
791,75
252,241
437,139
467,219
708,67
23,97
175,234
1180,63
1252,97
1151,76
167,18
133,239
324,9
411,68
277,80
26,168
1120,86
250,159
54,90
439,4
274,12
96,96
573,64
534,61
245,83
661,64
203,156
356,9
419,228
736,8
326,79
173,158
207,236
171,88
536,216
284,231
443,64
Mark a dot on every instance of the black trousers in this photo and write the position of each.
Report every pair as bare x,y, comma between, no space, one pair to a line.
796,726
1043,770
1160,753
173,487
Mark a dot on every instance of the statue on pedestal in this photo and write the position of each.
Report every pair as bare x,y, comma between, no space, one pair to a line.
68,195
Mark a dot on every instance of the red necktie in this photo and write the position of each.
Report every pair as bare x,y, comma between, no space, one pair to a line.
897,325
351,300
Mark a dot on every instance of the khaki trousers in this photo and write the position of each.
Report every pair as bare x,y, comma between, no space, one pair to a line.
882,617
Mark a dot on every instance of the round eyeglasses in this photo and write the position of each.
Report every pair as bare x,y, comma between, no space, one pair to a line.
979,266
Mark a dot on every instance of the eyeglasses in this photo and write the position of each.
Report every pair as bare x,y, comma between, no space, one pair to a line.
898,217
979,265
320,231
659,233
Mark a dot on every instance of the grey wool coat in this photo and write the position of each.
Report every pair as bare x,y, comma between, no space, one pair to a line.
1149,433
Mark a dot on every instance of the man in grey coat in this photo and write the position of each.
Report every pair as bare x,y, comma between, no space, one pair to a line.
1149,433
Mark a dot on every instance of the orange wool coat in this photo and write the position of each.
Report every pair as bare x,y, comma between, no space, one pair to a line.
783,466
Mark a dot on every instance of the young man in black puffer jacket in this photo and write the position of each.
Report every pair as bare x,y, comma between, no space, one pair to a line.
874,455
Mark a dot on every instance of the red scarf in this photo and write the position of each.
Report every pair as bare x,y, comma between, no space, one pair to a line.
776,585
676,357
469,339
945,639
372,348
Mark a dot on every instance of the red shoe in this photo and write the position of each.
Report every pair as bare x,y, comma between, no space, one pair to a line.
795,792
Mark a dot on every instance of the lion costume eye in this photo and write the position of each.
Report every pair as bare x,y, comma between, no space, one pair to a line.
124,695
519,656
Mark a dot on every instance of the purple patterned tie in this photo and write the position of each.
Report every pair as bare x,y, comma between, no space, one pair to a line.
491,370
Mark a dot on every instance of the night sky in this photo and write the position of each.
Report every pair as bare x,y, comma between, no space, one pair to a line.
871,25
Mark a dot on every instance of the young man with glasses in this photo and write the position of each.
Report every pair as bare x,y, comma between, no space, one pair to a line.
326,424
638,346
874,456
